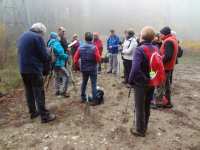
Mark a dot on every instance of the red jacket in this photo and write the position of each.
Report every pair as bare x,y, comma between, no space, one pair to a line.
170,65
99,45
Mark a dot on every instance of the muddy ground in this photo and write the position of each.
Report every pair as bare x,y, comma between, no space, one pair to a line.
105,128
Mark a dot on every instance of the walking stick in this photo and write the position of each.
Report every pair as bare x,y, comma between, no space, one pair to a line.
125,112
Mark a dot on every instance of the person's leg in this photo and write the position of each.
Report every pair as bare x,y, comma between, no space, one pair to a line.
149,94
168,87
38,92
29,95
125,71
115,63
129,66
93,78
140,109
110,68
85,77
65,81
57,82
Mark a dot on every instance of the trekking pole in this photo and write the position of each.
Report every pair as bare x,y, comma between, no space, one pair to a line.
71,76
125,112
48,78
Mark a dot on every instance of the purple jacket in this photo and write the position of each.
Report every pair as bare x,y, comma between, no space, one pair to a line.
139,75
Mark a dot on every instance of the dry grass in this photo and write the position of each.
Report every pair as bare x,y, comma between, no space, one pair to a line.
191,45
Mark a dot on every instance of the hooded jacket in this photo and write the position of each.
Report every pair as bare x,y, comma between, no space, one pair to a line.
58,50
129,47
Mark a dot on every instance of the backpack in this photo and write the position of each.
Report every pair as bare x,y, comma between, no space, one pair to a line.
100,96
156,67
48,66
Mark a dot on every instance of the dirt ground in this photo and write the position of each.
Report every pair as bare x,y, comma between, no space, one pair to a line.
105,128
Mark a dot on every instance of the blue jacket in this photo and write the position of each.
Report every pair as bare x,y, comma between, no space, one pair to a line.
88,57
58,50
32,53
113,41
139,75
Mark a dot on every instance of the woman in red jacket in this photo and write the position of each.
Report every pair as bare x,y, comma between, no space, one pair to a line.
99,44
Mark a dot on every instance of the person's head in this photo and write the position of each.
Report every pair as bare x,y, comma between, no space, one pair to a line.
53,35
130,33
96,35
147,34
157,37
75,37
39,28
165,32
88,37
112,32
61,31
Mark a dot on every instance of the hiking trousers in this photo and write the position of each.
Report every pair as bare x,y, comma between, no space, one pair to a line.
61,80
113,63
142,97
34,92
127,69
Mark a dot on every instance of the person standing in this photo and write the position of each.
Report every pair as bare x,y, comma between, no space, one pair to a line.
129,47
98,43
113,43
32,55
61,73
140,80
169,51
90,57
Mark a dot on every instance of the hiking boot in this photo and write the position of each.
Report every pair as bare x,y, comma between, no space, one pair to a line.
137,134
34,115
48,118
154,106
93,103
65,95
168,106
57,93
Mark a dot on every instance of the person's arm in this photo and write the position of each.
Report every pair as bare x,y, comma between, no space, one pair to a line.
130,49
41,50
97,55
169,50
76,56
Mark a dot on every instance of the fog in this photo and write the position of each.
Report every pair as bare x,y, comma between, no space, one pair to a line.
79,16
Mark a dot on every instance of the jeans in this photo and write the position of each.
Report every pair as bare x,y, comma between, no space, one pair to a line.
85,78
143,96
61,80
113,63
35,95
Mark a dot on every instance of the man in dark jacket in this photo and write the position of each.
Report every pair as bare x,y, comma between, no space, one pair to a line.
90,57
169,51
33,55
139,78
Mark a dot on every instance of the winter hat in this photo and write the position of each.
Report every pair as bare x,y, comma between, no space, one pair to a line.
53,35
165,30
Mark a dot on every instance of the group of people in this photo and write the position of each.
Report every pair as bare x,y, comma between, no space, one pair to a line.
148,62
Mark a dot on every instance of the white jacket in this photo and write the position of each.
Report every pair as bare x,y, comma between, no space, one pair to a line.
129,47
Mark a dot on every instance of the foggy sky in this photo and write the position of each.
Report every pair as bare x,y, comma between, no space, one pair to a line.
79,16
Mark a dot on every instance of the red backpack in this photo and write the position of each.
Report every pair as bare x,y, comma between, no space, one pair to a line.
156,67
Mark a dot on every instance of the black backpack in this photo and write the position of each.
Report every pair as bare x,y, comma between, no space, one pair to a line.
100,96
